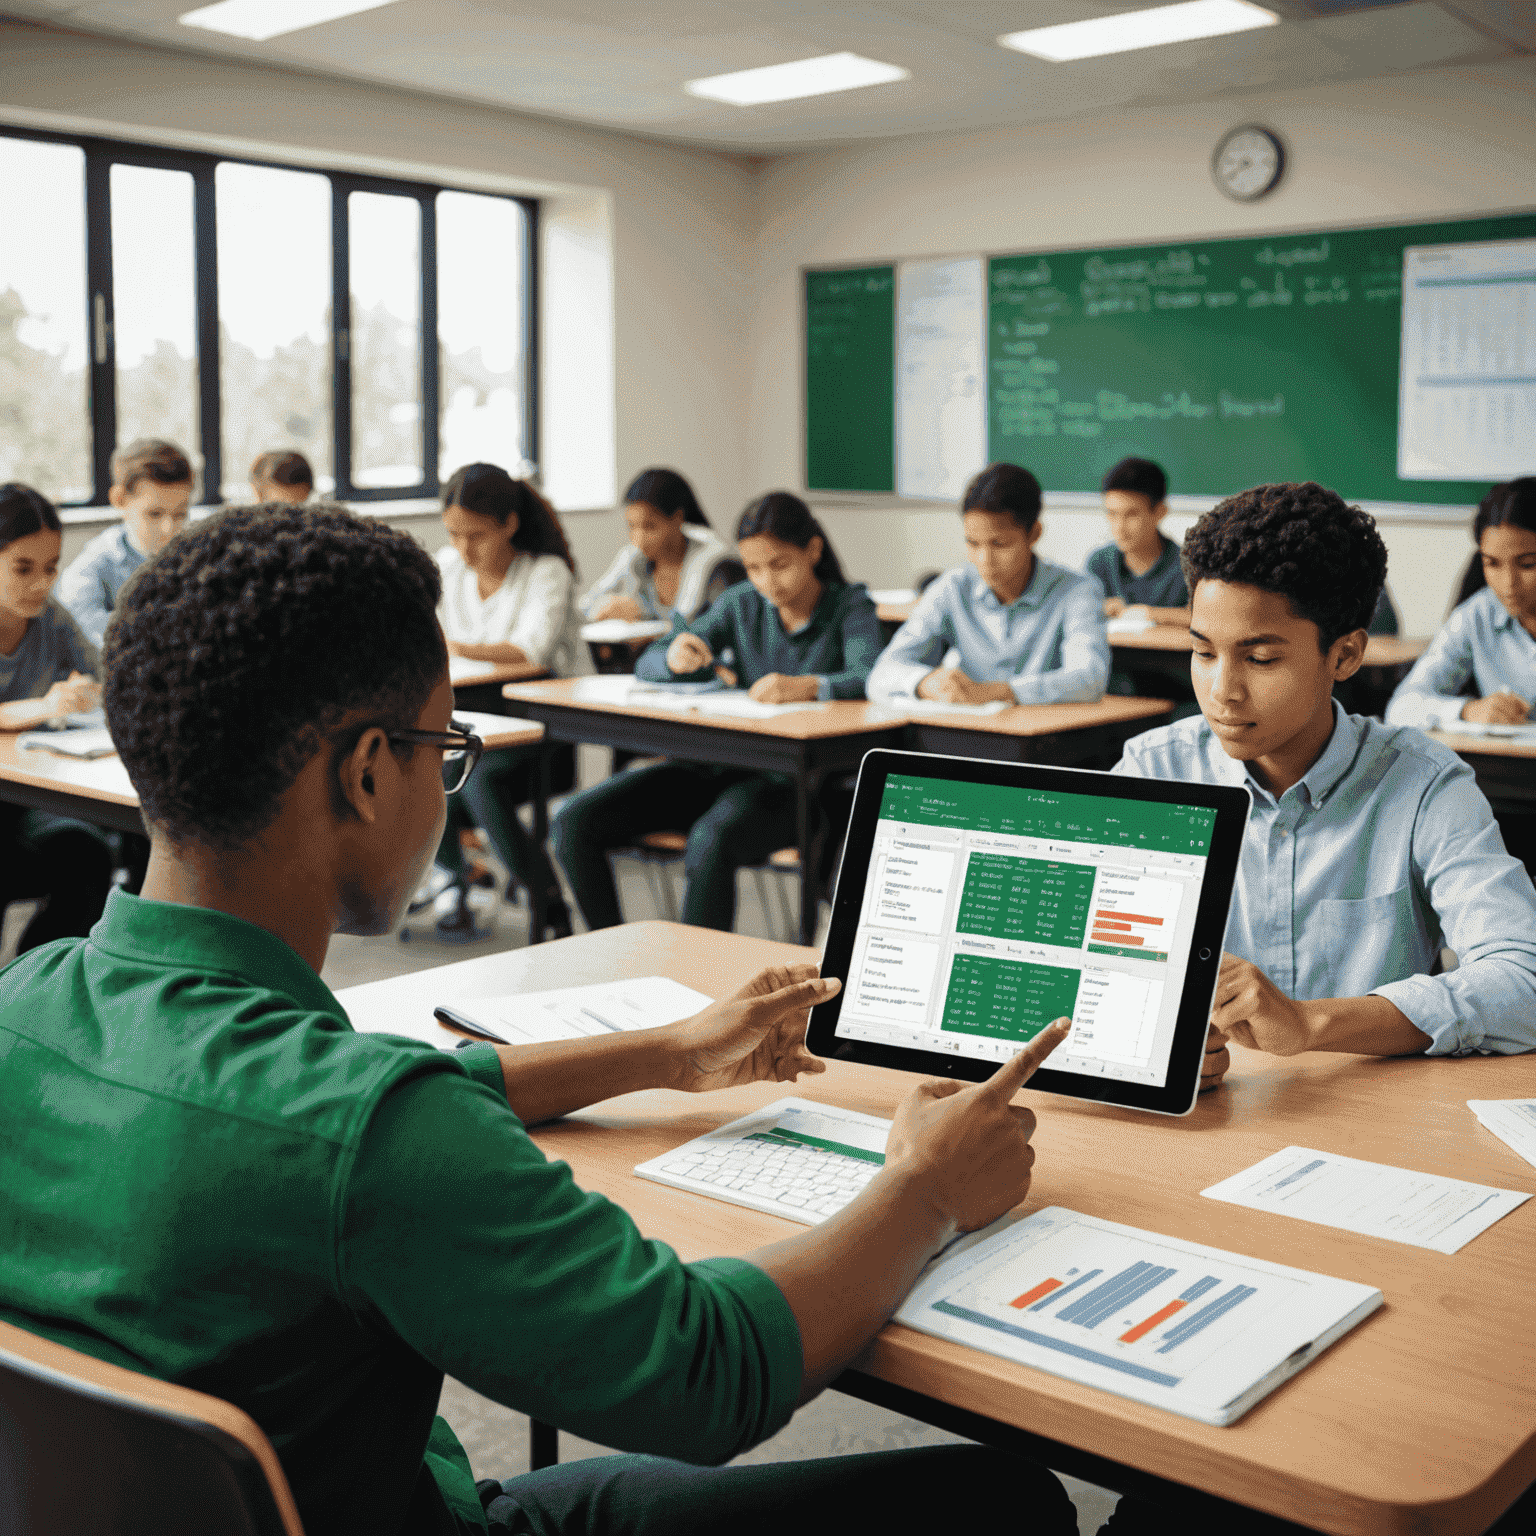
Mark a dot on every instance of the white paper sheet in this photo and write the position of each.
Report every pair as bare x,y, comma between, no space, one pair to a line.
892,597
1130,624
1513,1121
570,1013
1423,1210
713,701
1196,1330
624,629
1522,733
85,744
462,670
939,707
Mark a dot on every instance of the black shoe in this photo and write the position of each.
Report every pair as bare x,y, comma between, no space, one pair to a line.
457,922
557,919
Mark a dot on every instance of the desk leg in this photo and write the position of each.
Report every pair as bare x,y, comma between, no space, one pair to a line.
543,1445
806,784
538,906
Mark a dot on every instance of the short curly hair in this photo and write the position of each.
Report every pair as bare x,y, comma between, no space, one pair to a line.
240,647
1301,542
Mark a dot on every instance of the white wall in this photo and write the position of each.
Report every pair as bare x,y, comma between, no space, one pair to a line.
647,247
1417,146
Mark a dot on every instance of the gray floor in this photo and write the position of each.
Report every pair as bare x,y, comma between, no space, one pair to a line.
495,1437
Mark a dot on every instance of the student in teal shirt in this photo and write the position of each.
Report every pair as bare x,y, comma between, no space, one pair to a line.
794,632
1139,570
1369,847
211,1178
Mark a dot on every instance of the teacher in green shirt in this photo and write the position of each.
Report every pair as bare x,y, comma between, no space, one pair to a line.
209,1177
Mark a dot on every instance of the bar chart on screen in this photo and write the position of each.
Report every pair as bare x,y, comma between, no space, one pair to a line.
1189,1327
1134,915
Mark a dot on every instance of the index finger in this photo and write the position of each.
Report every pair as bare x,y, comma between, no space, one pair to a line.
1013,1074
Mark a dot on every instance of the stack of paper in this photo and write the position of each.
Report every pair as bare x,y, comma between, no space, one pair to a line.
940,707
1513,1121
86,744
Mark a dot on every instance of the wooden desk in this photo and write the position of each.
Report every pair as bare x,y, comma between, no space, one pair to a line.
97,791
482,692
1506,770
1061,734
498,731
1422,1420
807,745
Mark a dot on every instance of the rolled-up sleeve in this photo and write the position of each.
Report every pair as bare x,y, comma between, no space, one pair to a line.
916,648
1084,671
458,1236
1486,908
1431,693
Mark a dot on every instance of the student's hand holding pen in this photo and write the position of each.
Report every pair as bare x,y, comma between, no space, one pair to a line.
949,685
688,654
776,688
1501,708
76,694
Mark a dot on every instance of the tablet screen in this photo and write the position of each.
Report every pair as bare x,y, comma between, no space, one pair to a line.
989,910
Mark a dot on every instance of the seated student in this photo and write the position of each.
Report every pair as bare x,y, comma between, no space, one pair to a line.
227,1187
1370,847
152,488
1139,571
47,668
665,568
282,475
508,579
1024,630
1490,640
794,630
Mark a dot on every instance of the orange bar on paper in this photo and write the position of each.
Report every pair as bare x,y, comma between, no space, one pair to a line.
1160,1316
1043,1289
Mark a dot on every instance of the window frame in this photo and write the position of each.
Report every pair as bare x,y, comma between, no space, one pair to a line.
101,154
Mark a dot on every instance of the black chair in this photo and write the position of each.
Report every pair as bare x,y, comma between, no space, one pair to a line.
85,1445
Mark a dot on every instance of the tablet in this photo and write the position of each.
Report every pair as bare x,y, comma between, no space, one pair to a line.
978,901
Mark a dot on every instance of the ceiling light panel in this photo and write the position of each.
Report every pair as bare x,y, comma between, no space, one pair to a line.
789,82
1140,29
261,19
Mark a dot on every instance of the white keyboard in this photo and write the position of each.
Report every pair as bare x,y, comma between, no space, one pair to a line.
794,1158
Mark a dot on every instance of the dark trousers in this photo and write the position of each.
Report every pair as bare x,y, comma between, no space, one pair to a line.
932,1489
733,817
65,861
489,800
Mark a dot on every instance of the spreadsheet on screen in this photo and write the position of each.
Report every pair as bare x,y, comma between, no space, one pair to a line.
990,910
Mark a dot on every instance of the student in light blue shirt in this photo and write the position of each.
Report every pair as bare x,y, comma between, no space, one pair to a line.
1490,640
1011,626
1369,847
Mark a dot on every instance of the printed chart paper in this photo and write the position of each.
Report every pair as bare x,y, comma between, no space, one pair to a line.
1375,1199
1194,1329
1513,1121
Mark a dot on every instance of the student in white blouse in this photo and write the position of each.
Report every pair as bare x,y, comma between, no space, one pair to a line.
672,554
508,596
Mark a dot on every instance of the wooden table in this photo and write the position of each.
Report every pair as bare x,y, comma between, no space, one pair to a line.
1505,769
1062,734
807,745
1422,1420
482,692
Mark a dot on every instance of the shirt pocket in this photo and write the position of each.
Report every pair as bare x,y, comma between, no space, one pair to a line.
1362,944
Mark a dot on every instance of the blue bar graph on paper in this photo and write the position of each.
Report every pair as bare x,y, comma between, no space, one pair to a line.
1055,1296
1300,1173
1124,1289
1199,1288
1206,1316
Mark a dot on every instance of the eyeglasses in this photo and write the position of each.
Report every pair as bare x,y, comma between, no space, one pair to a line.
461,750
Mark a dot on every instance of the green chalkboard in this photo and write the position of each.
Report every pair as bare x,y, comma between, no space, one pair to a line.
850,380
1231,362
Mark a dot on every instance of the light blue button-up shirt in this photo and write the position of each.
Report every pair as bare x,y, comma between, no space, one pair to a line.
1048,644
1481,640
1354,879
95,576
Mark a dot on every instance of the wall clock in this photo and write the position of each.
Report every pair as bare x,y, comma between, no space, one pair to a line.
1248,163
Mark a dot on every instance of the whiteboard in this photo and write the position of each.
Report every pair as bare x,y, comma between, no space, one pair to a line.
1467,397
941,436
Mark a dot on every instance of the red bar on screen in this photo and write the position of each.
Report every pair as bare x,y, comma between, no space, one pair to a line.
1043,1289
1104,922
1109,936
1128,917
1148,1324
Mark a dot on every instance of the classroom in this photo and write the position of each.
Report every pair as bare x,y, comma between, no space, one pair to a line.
934,543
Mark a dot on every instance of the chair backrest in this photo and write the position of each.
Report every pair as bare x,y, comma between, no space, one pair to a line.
85,1445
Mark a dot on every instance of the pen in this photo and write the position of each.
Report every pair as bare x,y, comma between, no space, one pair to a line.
466,1026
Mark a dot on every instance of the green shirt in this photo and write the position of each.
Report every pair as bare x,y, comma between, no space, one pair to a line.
207,1175
1161,586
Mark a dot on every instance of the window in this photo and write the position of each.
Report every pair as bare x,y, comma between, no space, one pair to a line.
382,328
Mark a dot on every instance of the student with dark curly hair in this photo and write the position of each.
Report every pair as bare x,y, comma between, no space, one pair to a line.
1011,627
227,1187
1369,847
47,669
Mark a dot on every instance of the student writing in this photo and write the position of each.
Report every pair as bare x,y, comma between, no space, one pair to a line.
1369,847
795,630
507,584
1139,571
47,669
364,1213
1024,630
282,475
667,566
152,488
1490,640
